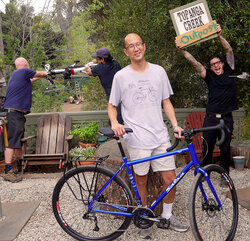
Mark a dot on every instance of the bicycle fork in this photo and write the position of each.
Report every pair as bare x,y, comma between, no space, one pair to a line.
204,173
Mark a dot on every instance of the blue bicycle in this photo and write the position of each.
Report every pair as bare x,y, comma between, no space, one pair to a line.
94,203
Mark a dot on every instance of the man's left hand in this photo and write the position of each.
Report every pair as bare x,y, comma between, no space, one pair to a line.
178,129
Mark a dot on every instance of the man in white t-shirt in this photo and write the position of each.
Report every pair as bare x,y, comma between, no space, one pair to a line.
143,89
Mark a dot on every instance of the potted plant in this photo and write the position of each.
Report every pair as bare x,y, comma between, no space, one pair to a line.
86,133
83,155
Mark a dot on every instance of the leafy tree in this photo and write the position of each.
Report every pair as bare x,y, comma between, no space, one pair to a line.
94,95
27,35
78,47
47,102
151,19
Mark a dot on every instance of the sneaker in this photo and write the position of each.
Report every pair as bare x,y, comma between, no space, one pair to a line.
146,233
177,225
11,176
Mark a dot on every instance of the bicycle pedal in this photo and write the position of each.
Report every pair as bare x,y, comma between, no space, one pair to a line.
163,223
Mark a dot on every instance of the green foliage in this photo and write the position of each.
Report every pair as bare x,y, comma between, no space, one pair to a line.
94,95
105,23
151,19
79,151
78,43
51,102
85,132
27,35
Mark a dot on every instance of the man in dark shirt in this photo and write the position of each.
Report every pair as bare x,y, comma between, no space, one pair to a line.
105,70
18,103
221,99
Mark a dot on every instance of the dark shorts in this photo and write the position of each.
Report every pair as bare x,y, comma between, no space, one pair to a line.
15,129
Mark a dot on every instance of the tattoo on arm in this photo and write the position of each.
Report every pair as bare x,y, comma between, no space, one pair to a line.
191,59
230,58
224,43
200,68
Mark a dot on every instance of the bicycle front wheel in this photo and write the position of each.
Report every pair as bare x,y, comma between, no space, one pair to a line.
74,192
207,220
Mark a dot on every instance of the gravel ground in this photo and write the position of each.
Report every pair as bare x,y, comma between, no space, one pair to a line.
43,226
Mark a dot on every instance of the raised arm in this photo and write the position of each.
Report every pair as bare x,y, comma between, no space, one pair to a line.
227,47
197,65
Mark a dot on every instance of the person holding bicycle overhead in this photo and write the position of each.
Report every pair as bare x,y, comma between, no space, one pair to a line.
221,99
18,103
105,70
143,89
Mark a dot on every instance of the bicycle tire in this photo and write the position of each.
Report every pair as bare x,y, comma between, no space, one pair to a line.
207,221
72,194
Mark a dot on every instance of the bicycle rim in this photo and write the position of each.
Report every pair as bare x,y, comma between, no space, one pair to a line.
75,191
207,220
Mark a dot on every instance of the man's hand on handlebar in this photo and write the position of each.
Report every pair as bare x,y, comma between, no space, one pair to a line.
178,130
118,129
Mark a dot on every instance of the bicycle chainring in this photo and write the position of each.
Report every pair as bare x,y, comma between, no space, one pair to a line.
141,217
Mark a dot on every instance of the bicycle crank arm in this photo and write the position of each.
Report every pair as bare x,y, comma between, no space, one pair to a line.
157,220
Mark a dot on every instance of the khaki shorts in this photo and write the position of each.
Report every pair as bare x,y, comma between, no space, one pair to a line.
162,164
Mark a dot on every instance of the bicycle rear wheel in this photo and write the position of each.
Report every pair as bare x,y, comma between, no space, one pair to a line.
74,192
207,220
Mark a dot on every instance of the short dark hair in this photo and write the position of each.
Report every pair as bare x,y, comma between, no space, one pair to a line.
214,56
124,46
108,59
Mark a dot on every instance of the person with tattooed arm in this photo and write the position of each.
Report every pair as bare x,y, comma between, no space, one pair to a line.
221,98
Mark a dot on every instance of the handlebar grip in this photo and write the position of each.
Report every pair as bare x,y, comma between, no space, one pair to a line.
106,131
173,146
221,128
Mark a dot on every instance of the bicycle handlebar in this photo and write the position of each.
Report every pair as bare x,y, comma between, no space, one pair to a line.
67,72
189,133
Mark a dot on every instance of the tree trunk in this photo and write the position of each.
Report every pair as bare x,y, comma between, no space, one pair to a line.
64,11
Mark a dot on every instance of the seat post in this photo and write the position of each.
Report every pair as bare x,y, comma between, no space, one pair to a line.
120,147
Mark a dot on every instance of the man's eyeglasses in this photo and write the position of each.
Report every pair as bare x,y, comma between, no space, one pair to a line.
213,64
98,59
132,46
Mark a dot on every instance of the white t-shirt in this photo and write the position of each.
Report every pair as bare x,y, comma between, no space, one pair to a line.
141,98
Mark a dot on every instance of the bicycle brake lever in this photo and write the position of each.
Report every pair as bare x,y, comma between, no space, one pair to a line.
221,128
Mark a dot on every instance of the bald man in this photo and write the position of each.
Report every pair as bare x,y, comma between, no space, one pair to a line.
143,89
18,103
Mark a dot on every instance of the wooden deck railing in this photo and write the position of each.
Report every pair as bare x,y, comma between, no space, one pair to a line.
102,118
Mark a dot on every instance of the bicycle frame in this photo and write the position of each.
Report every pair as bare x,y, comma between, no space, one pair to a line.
194,162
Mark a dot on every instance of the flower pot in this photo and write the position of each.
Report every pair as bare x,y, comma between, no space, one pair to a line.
239,162
84,145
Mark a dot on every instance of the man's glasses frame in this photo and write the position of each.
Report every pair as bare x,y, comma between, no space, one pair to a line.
131,47
213,64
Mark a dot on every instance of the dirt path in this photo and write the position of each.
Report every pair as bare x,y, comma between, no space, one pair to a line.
67,107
